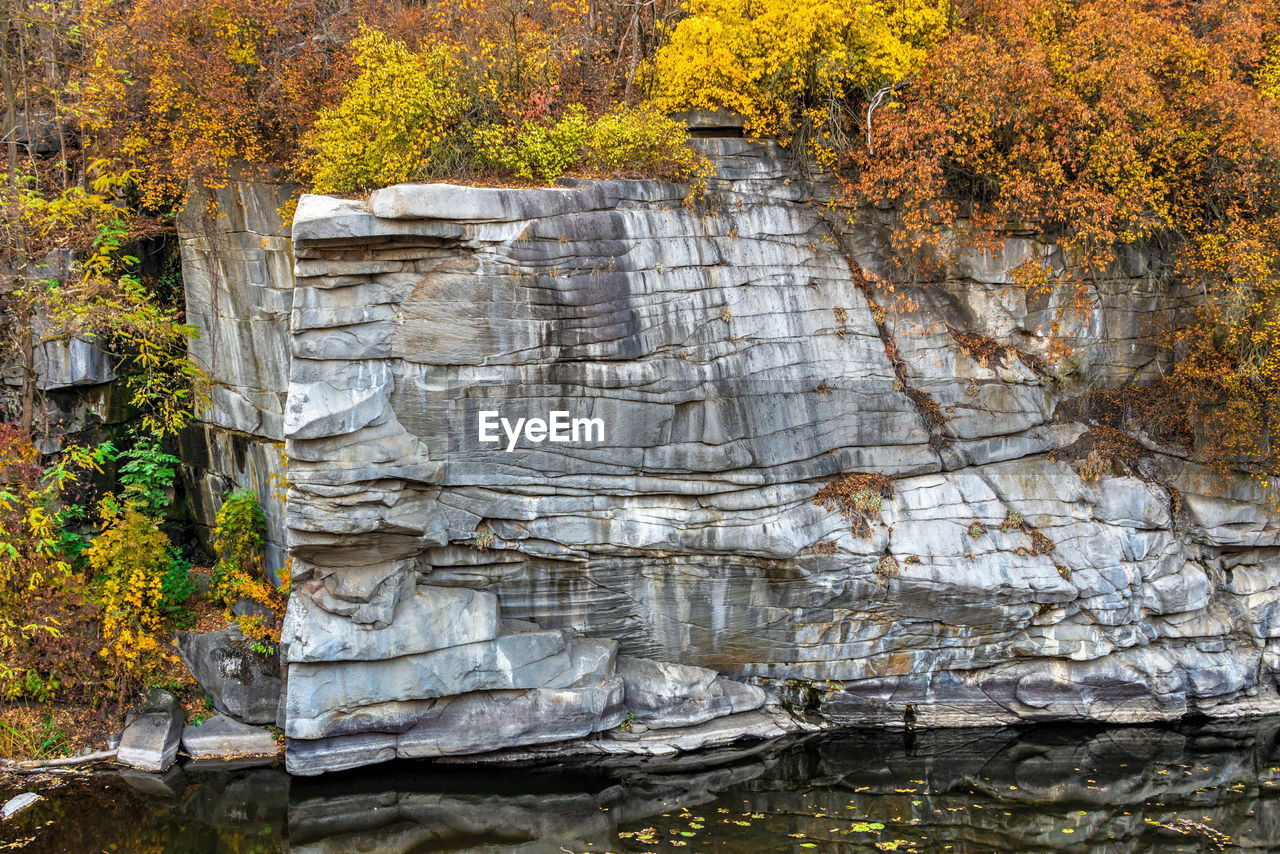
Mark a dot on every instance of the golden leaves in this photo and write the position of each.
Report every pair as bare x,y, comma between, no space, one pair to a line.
783,63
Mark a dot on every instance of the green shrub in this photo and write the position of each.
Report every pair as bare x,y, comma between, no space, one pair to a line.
239,538
642,141
630,141
148,476
176,589
535,150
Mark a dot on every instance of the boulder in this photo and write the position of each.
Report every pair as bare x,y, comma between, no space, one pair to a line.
242,683
150,742
221,737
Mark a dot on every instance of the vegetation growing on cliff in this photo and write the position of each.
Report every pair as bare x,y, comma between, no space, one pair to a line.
1103,124
1100,123
239,576
418,115
794,69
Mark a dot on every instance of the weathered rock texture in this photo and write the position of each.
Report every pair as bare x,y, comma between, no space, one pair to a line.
452,597
240,682
237,274
73,378
223,738
150,741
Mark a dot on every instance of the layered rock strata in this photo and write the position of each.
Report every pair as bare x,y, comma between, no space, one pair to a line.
237,270
455,595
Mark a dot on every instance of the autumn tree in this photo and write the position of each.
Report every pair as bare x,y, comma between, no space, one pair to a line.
184,90
437,113
794,67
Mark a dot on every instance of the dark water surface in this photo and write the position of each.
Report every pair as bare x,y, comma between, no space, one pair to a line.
1207,787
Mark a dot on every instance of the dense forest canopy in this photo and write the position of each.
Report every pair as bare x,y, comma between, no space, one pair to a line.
1098,122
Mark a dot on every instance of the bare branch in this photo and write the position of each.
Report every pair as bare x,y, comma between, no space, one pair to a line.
879,98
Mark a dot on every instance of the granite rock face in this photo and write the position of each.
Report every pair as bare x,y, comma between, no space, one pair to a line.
662,695
717,362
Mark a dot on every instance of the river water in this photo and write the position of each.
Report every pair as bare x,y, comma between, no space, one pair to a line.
1189,787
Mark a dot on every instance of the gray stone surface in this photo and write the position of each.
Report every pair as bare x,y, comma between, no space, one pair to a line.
458,725
236,261
732,349
69,362
237,275
221,737
150,741
242,684
432,618
519,661
661,695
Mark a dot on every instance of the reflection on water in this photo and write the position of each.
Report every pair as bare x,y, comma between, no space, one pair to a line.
1185,788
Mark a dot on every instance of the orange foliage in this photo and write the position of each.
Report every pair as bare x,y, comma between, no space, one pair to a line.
185,88
1109,122
192,89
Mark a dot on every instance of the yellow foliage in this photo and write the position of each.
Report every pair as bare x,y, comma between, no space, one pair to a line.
535,150
39,599
782,64
131,555
99,302
1268,74
641,141
239,573
397,121
416,115
626,141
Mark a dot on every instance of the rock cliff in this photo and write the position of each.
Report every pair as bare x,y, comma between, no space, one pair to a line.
665,579
237,271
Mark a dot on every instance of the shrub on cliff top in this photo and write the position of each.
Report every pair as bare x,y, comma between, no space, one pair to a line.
400,119
423,115
626,141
